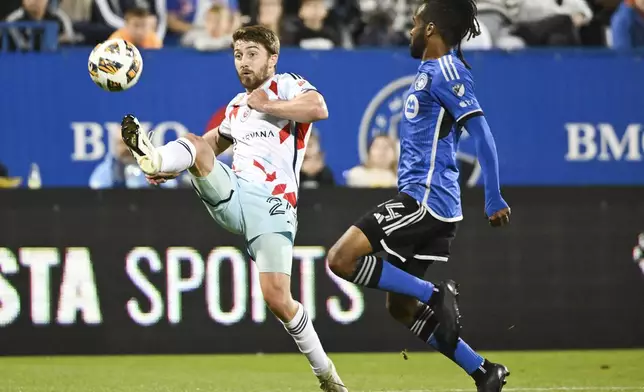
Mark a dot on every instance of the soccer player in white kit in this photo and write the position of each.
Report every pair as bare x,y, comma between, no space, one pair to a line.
268,127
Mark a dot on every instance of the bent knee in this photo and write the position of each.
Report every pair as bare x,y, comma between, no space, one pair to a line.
277,297
205,156
340,262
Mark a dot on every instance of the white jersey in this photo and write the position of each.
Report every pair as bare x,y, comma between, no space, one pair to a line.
267,149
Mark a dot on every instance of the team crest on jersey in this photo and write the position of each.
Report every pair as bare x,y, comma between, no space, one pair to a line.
383,116
421,81
458,89
245,114
411,107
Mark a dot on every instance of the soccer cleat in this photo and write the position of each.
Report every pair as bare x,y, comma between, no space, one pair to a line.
146,155
330,380
448,315
494,378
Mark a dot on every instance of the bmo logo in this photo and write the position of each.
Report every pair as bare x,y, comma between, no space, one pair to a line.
92,140
602,142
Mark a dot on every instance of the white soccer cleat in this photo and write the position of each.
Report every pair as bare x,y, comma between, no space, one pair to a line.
146,155
330,380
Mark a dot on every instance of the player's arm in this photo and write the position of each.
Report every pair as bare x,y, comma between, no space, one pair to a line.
477,126
455,91
218,141
307,107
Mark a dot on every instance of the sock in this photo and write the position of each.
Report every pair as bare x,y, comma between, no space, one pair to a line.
177,156
375,272
307,340
424,325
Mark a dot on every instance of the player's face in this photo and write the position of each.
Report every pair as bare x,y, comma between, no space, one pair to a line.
253,63
417,33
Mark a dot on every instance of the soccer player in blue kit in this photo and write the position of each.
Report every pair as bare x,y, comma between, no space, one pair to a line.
416,227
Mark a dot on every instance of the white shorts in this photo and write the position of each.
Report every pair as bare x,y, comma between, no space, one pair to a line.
243,207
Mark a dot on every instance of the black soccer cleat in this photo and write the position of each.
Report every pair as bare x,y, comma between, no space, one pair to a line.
448,315
130,133
146,155
492,378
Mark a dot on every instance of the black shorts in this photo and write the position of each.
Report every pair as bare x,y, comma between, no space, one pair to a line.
403,228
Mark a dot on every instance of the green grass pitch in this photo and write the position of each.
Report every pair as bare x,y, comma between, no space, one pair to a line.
614,370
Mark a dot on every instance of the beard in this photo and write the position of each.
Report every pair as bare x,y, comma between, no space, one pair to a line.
251,79
417,47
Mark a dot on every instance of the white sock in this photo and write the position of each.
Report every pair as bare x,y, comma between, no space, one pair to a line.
307,340
177,156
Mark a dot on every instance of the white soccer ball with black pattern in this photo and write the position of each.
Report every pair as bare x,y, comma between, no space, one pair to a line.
115,65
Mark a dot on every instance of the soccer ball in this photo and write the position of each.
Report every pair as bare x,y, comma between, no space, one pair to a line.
115,65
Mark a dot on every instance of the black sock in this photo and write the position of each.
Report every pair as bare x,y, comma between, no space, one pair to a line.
479,374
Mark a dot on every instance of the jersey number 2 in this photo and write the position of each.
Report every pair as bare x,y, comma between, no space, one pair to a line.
277,203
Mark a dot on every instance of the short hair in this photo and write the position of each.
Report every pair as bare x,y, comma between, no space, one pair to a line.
455,20
259,34
136,12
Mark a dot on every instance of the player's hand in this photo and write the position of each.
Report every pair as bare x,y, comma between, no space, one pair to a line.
161,178
258,99
500,218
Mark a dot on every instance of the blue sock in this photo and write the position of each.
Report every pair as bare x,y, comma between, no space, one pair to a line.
375,272
463,356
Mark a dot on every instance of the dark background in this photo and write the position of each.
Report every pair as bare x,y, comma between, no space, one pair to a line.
559,277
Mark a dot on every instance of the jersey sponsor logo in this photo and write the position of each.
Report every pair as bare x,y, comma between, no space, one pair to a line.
421,82
383,116
458,89
256,134
411,107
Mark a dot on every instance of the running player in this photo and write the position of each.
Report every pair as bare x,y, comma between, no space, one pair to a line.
416,227
268,126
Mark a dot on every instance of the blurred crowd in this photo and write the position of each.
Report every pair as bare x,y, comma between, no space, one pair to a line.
326,24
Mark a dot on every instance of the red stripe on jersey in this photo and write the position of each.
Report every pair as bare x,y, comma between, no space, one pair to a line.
291,198
279,189
273,87
285,133
233,113
302,130
270,177
259,165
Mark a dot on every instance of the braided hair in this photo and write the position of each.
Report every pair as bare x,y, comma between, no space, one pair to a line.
455,20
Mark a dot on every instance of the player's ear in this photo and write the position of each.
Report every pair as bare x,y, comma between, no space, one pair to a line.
272,60
430,29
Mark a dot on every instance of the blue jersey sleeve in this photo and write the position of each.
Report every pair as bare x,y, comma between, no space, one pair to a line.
620,27
454,89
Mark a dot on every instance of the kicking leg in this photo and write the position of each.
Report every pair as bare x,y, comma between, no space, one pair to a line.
274,254
350,259
421,321
190,152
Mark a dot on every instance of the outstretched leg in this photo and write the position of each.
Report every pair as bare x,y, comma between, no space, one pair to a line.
273,254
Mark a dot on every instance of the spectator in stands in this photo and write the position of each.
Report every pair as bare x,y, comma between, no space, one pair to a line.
627,25
186,15
81,13
270,14
534,22
312,32
6,181
38,11
119,170
380,170
139,29
217,34
112,12
315,173
379,31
